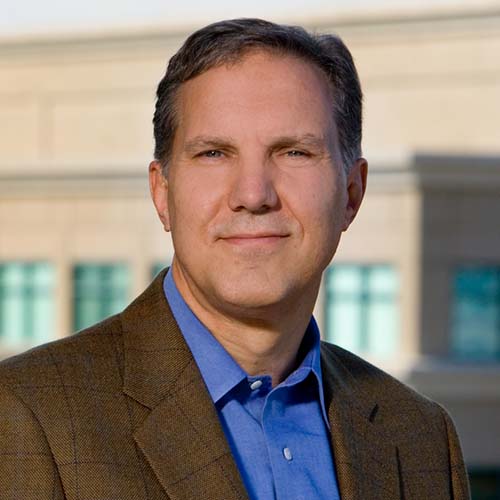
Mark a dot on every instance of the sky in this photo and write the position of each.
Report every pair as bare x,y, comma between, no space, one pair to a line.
46,17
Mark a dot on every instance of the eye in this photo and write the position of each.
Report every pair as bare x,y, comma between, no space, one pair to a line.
296,153
211,153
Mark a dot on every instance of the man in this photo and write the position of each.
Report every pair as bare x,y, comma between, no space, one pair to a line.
213,384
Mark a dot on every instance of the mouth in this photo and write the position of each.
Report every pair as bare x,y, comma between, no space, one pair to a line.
254,239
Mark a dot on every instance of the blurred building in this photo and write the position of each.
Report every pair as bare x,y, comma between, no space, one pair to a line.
415,286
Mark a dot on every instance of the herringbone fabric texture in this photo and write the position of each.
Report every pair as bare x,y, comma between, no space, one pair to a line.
120,412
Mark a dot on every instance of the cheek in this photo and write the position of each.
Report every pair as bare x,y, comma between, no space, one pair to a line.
326,217
193,203
319,204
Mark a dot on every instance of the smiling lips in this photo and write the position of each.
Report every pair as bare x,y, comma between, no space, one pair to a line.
254,239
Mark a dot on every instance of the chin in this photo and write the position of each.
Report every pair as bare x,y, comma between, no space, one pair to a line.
249,295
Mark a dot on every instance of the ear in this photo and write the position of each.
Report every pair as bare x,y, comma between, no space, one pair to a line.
158,186
356,187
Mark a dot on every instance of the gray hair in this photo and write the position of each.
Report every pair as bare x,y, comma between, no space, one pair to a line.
227,42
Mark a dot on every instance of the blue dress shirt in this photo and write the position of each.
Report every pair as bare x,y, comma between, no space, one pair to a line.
279,436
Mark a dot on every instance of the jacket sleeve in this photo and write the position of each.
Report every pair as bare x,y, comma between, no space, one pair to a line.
27,467
459,480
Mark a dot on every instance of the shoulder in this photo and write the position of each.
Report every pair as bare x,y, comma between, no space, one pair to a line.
86,358
55,402
48,393
391,396
391,416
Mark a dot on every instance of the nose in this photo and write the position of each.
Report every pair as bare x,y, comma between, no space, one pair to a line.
253,189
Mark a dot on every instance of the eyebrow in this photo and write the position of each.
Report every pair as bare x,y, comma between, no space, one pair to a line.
223,142
206,141
309,140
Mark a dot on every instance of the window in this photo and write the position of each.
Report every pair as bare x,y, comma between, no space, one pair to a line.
361,308
100,290
485,484
26,304
475,313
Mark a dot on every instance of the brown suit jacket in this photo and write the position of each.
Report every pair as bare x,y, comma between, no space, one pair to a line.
120,412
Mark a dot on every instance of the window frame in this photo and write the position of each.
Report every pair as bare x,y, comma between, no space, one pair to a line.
105,299
367,298
454,352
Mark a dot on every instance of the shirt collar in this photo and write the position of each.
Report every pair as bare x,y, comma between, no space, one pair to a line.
219,370
311,363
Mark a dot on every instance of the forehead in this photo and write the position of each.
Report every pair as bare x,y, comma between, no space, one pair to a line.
260,88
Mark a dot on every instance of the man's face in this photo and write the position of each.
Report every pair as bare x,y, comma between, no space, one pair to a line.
256,196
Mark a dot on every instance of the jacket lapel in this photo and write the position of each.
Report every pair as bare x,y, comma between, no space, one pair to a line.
365,457
181,437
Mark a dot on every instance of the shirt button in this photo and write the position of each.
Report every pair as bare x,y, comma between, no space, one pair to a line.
287,454
255,384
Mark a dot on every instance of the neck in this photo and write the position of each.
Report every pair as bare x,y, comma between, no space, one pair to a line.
262,342
260,349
